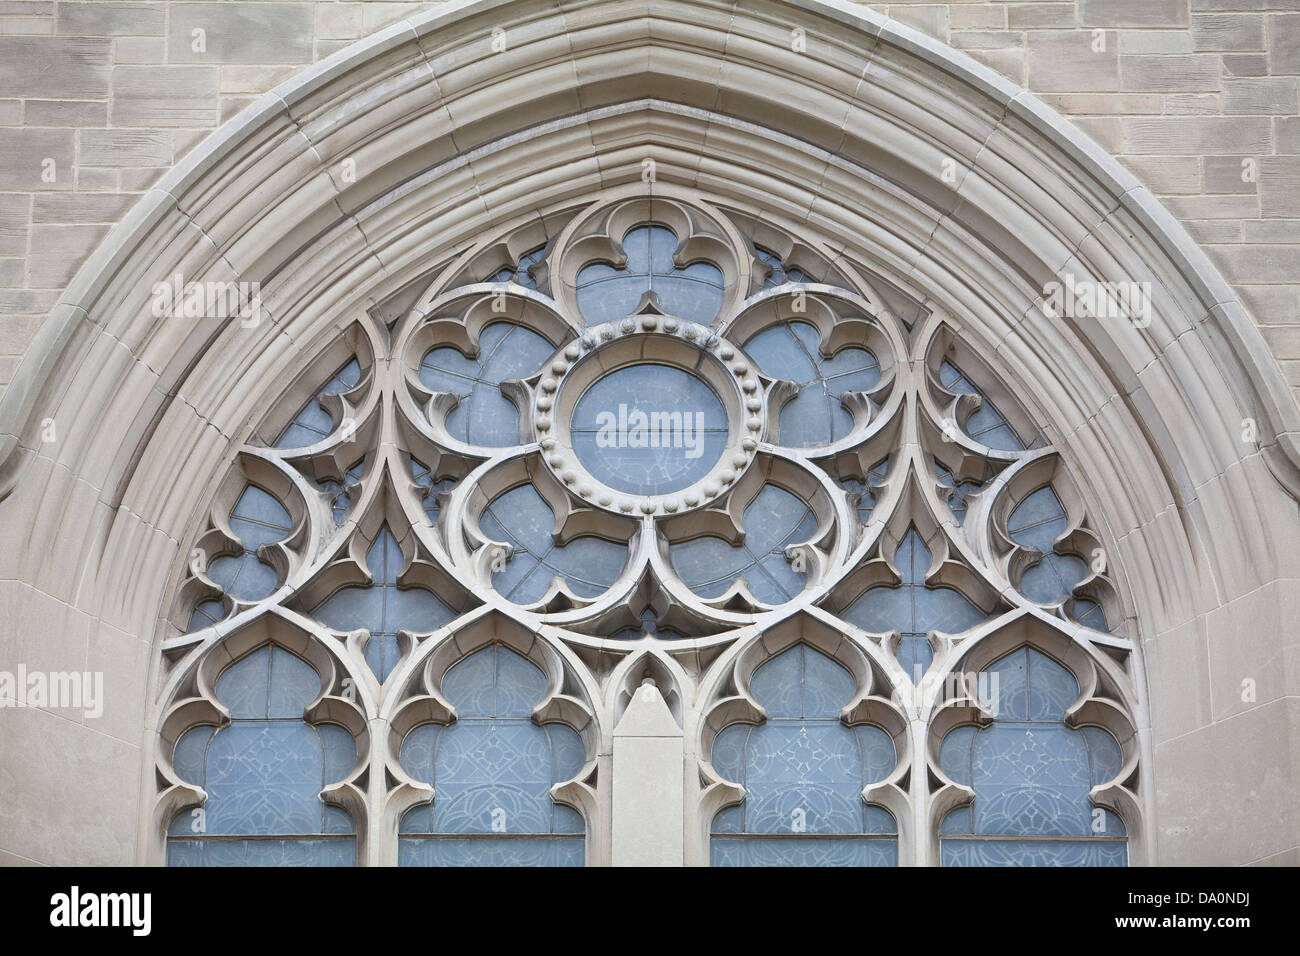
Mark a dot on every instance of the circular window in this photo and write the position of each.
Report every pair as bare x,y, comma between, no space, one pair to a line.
649,429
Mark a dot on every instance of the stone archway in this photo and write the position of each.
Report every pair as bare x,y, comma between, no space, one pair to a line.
342,189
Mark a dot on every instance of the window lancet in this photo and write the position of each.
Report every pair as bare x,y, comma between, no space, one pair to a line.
264,773
1032,776
803,772
492,771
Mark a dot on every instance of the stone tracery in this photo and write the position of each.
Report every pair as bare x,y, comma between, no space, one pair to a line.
477,493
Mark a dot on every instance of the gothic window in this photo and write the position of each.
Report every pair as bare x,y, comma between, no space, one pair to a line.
492,771
263,774
1032,775
648,452
803,772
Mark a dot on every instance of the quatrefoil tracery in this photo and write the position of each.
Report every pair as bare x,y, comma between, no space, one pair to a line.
488,361
874,474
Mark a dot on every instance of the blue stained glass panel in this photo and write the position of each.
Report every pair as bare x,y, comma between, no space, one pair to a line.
815,416
792,851
1032,853
492,771
649,429
484,416
779,274
773,521
803,771
263,773
693,292
382,607
313,423
961,490
327,853
1032,775
522,518
987,425
863,493
913,608
519,274
1036,523
257,519
205,614
432,489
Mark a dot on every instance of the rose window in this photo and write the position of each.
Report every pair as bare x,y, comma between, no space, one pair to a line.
650,443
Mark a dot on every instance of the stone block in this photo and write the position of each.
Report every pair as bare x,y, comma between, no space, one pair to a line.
152,96
1187,135
1231,174
125,147
1067,62
1170,73
107,18
66,113
1265,94
57,252
74,68
1126,13
241,32
1228,31
37,159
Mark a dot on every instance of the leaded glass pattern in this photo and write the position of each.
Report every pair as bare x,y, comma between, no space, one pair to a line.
492,771
312,423
257,519
987,425
522,519
803,771
484,415
382,608
1032,776
692,292
815,416
913,608
467,471
264,773
773,521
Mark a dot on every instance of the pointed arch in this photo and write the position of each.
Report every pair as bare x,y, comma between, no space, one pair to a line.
1148,417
